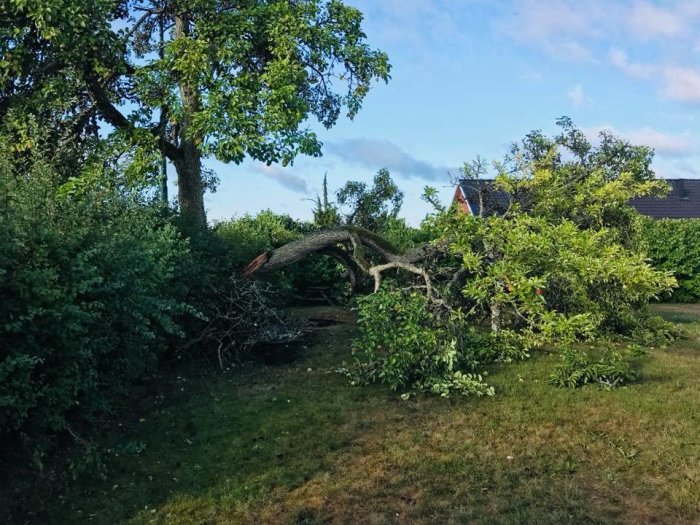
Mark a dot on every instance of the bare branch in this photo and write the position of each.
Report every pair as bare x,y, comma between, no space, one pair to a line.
356,240
376,272
322,240
117,119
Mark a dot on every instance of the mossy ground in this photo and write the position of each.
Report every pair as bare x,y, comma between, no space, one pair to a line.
294,443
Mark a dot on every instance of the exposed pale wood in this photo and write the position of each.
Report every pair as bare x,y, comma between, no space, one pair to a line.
319,241
355,241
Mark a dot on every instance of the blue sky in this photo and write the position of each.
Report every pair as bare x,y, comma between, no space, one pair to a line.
470,76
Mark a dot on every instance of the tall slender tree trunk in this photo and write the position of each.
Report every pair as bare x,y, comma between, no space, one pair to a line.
190,192
163,118
189,166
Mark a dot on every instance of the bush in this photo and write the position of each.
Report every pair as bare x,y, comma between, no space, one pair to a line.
89,298
402,236
247,237
578,368
674,245
553,282
410,347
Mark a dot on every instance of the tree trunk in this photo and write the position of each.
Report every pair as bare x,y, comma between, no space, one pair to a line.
163,119
356,240
323,240
495,318
189,167
189,185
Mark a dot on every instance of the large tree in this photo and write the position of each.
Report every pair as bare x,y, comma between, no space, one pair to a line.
189,78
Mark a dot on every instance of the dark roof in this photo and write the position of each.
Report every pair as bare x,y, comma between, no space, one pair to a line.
482,191
682,202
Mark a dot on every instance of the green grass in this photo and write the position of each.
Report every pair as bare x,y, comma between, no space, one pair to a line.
296,444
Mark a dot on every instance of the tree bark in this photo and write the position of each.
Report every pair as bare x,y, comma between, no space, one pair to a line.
189,185
189,166
495,318
355,240
323,240
164,112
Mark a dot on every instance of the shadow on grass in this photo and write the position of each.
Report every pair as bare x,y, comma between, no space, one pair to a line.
297,444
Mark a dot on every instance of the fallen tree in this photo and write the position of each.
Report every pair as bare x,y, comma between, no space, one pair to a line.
561,268
348,244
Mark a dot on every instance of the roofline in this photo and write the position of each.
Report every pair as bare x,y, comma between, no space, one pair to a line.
466,202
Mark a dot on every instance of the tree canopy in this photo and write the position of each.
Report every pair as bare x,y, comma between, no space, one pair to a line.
371,207
188,79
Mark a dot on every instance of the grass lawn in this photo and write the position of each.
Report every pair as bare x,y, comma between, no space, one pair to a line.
294,443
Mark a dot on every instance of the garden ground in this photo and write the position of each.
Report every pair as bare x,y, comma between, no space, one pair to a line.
295,443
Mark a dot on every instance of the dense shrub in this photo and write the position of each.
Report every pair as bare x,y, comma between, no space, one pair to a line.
89,298
552,282
249,236
401,235
674,245
410,346
556,262
246,237
578,368
536,282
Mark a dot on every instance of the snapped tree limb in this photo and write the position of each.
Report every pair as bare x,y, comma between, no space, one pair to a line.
356,240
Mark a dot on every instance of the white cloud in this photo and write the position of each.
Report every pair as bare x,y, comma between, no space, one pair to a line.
648,21
553,22
682,84
559,27
619,59
376,154
414,24
665,33
284,177
678,82
577,97
671,144
542,21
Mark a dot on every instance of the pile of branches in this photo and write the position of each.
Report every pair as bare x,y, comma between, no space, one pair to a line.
241,317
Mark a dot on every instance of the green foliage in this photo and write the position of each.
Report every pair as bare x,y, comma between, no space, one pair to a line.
198,78
652,330
90,299
371,208
402,236
559,263
567,177
578,368
563,262
674,245
553,282
572,153
409,347
245,238
325,213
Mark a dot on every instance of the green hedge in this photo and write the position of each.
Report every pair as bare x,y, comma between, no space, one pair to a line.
674,244
89,299
248,236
